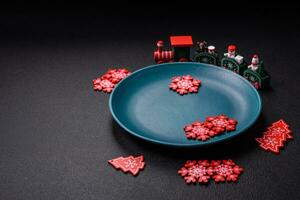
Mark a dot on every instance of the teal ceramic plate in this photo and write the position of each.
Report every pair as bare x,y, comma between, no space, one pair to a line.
144,105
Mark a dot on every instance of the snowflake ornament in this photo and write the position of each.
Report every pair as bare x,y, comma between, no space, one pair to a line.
184,84
110,79
116,75
199,131
203,170
196,171
225,170
103,85
221,123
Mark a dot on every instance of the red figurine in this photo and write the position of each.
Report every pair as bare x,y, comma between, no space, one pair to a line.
180,50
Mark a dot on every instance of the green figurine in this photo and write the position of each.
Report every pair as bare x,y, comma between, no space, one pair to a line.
206,54
233,61
256,74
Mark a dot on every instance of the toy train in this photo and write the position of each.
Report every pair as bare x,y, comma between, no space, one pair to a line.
255,73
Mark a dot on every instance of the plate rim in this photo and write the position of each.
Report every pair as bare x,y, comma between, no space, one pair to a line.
186,145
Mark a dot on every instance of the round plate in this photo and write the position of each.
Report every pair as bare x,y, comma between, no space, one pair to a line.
144,105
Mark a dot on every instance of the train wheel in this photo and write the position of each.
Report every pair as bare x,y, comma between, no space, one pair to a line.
160,62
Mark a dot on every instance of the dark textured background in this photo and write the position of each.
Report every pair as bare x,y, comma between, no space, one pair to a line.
56,133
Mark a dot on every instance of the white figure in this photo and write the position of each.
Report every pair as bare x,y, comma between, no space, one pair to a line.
211,49
254,63
231,53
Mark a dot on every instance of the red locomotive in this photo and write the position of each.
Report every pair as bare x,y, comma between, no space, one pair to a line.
161,56
180,50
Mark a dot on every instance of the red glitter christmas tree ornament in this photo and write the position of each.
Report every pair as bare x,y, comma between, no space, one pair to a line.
128,164
275,136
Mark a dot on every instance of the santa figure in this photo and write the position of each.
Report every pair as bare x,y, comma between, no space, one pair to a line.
254,63
231,51
211,49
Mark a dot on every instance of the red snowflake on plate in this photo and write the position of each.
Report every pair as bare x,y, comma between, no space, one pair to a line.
225,170
196,171
110,79
198,130
185,84
221,123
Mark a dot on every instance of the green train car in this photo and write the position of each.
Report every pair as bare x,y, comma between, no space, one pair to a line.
260,78
205,57
232,65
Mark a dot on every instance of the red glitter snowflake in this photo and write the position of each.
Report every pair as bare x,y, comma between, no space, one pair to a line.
196,171
103,85
221,123
110,79
185,84
198,130
116,75
225,170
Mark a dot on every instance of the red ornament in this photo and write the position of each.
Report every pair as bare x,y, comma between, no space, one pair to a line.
225,170
185,84
221,123
128,164
271,142
103,85
281,126
196,171
211,127
201,171
198,130
275,136
116,75
110,79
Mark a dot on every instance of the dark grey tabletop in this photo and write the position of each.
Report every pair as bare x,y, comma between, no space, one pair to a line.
57,134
